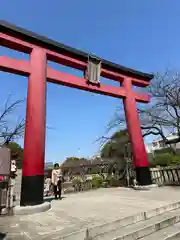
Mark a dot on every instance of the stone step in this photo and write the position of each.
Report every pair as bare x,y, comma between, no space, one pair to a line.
143,228
175,238
103,229
132,219
175,235
169,233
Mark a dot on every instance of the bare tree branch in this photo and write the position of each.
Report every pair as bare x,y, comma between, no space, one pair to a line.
163,113
10,135
9,131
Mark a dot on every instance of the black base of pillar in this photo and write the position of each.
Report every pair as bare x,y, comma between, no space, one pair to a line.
143,176
32,190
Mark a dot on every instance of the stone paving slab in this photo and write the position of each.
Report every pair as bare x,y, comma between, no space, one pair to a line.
86,209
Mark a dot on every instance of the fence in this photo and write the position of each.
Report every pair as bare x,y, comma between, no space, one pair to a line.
166,175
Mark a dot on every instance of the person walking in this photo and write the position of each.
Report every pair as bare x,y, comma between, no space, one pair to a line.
56,180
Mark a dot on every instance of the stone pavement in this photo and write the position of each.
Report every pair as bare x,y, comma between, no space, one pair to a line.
86,209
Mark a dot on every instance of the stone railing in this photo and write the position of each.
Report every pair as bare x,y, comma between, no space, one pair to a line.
166,175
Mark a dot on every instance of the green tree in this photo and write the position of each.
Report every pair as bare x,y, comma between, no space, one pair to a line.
17,153
74,159
115,146
165,159
114,149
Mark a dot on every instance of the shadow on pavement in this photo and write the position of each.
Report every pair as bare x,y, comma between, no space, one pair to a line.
49,199
2,236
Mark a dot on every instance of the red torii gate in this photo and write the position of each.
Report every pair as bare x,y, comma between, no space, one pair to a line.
42,49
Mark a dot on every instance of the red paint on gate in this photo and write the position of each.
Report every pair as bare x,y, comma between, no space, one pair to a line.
38,71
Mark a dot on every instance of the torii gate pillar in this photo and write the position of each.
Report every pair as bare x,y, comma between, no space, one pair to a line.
34,139
140,160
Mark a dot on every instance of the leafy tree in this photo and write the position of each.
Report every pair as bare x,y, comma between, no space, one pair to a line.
150,157
165,159
164,150
75,162
114,149
115,145
17,153
74,159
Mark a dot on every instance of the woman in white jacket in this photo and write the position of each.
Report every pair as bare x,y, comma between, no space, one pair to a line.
56,180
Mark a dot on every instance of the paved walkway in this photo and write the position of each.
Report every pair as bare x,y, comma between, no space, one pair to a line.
77,211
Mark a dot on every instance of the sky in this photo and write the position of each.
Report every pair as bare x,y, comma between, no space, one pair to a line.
140,34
